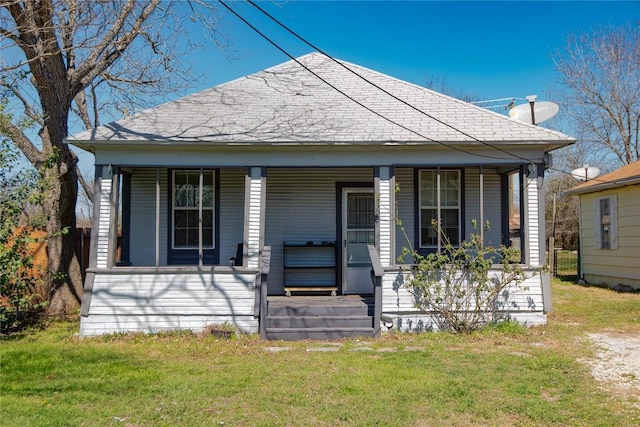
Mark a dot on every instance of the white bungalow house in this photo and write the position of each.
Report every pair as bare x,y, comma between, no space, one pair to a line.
610,228
276,183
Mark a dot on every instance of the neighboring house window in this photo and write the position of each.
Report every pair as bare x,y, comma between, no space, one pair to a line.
606,218
192,217
439,199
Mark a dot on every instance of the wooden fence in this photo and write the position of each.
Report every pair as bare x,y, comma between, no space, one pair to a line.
39,249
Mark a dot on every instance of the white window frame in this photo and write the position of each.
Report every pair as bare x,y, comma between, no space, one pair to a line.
199,208
612,222
438,205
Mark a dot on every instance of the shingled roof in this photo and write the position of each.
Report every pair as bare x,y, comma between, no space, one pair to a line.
289,104
626,175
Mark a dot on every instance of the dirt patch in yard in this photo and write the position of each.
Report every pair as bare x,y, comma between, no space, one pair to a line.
616,364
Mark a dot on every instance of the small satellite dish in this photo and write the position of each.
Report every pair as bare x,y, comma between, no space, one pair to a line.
542,110
585,173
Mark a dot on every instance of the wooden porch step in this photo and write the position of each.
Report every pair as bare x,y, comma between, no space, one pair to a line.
318,306
319,322
319,317
295,334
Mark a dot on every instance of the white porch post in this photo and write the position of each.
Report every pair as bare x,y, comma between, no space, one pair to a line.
113,215
102,223
255,197
99,249
157,223
481,205
385,195
534,232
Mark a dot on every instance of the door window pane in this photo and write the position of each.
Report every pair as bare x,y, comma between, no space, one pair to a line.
360,211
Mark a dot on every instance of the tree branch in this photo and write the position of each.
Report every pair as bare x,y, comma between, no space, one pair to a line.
28,108
21,141
111,47
88,191
82,111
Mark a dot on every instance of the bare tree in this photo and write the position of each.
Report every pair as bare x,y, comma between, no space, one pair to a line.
600,91
563,223
65,59
441,84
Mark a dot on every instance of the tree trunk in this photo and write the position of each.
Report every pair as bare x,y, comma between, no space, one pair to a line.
64,284
64,287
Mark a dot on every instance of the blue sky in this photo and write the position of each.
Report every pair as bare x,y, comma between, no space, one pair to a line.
488,49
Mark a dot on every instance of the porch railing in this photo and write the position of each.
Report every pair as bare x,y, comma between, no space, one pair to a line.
376,276
260,307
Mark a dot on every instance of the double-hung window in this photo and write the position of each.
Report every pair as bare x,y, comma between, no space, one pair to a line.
606,222
439,201
193,211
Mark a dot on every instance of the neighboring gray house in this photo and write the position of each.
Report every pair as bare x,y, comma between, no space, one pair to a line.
284,177
610,228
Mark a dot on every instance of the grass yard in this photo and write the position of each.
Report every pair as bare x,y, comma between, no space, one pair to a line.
566,264
506,377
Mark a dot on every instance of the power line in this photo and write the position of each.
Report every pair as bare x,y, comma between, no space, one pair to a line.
299,37
511,99
369,108
273,43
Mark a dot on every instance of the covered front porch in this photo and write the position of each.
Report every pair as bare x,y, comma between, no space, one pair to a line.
308,228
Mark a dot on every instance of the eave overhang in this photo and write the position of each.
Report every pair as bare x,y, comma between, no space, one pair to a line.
594,188
92,146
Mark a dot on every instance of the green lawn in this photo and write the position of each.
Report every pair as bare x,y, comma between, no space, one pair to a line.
506,377
566,264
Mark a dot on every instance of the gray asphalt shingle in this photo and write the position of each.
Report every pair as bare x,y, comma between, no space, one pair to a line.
287,103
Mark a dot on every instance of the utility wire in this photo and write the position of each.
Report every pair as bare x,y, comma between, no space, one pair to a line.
273,43
302,39
369,108
316,48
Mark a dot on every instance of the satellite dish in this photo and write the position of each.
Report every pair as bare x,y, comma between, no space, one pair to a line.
585,173
542,111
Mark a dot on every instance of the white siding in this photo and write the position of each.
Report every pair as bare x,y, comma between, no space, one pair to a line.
143,217
157,301
231,212
532,223
254,217
619,266
386,214
405,179
492,204
523,302
405,210
102,246
301,206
